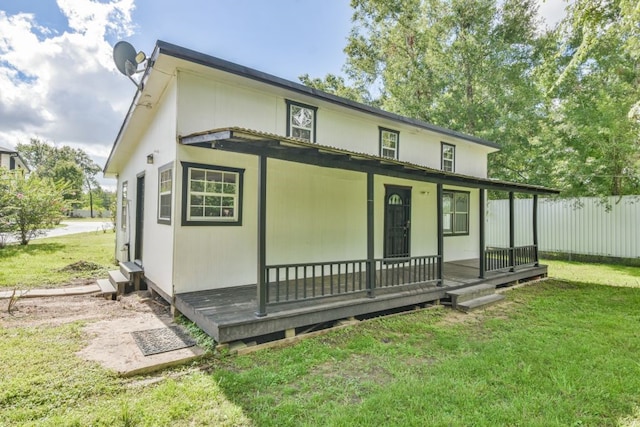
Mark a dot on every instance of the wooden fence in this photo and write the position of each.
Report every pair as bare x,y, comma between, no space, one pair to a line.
588,226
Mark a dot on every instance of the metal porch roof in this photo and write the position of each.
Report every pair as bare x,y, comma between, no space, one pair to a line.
254,142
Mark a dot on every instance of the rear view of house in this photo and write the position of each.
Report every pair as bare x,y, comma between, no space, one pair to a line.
256,205
10,160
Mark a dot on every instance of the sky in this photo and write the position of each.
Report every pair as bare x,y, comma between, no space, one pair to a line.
58,81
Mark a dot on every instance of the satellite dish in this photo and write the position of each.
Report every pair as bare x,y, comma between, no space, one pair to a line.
124,55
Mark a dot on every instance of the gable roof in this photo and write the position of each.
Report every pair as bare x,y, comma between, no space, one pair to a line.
164,50
230,67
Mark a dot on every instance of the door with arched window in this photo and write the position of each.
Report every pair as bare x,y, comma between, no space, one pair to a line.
397,221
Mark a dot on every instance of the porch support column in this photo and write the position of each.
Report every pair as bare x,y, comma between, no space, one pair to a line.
440,234
481,239
262,236
512,238
535,230
371,264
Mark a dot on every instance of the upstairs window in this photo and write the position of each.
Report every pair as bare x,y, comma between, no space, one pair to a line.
165,187
448,157
455,211
301,121
389,140
212,195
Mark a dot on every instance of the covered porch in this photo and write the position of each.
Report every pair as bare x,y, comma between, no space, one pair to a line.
229,314
291,296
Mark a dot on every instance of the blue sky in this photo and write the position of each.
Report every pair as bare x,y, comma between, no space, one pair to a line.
57,78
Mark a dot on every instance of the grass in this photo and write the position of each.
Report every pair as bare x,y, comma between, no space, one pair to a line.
42,262
557,353
603,274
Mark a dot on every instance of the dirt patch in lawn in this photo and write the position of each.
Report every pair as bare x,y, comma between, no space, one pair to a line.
53,311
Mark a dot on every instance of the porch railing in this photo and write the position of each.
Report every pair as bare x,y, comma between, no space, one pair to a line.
508,258
296,282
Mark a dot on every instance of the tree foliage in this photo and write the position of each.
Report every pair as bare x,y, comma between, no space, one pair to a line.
29,205
71,166
563,104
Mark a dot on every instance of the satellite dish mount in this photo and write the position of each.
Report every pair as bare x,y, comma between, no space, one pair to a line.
127,61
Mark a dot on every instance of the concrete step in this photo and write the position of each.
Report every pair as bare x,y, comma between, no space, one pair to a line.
469,293
106,288
481,302
118,280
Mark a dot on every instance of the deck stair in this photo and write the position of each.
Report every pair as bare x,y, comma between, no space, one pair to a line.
126,279
474,297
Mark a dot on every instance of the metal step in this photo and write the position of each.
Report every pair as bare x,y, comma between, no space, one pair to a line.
470,293
481,302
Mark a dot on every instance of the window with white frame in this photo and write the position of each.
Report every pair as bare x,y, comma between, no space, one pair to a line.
165,190
212,195
123,204
455,212
301,121
389,140
448,157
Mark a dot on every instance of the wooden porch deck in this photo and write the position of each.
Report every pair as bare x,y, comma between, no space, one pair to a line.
229,314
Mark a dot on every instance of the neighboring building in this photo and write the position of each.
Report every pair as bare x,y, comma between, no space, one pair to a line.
259,205
11,160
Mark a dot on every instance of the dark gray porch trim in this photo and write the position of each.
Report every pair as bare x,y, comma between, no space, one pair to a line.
535,228
440,234
262,236
295,150
370,237
481,211
512,237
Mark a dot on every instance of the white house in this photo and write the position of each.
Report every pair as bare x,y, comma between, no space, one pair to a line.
257,205
10,159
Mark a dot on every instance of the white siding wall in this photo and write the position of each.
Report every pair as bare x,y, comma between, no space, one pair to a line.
205,104
157,248
4,160
465,247
566,225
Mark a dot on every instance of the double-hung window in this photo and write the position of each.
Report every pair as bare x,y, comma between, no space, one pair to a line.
455,211
212,195
301,121
389,140
448,157
165,190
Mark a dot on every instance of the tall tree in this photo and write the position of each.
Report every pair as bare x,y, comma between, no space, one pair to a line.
594,86
62,163
461,64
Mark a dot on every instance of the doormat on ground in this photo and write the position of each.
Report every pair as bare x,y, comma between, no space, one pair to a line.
161,340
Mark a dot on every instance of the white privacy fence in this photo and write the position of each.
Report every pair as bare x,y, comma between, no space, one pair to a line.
579,226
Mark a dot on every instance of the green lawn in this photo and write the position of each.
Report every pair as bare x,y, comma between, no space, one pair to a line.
45,262
557,353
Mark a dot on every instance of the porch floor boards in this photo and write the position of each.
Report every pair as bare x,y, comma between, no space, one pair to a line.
229,314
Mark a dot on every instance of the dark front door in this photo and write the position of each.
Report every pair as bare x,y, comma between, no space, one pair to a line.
397,221
139,216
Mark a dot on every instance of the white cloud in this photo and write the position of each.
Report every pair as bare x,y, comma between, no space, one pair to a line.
553,11
62,86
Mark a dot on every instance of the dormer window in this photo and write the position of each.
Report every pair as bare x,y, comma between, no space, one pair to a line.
448,157
301,121
389,140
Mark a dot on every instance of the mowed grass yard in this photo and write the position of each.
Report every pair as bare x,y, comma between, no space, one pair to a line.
562,352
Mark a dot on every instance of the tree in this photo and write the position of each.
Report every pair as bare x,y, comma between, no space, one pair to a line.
56,163
464,65
30,205
593,80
